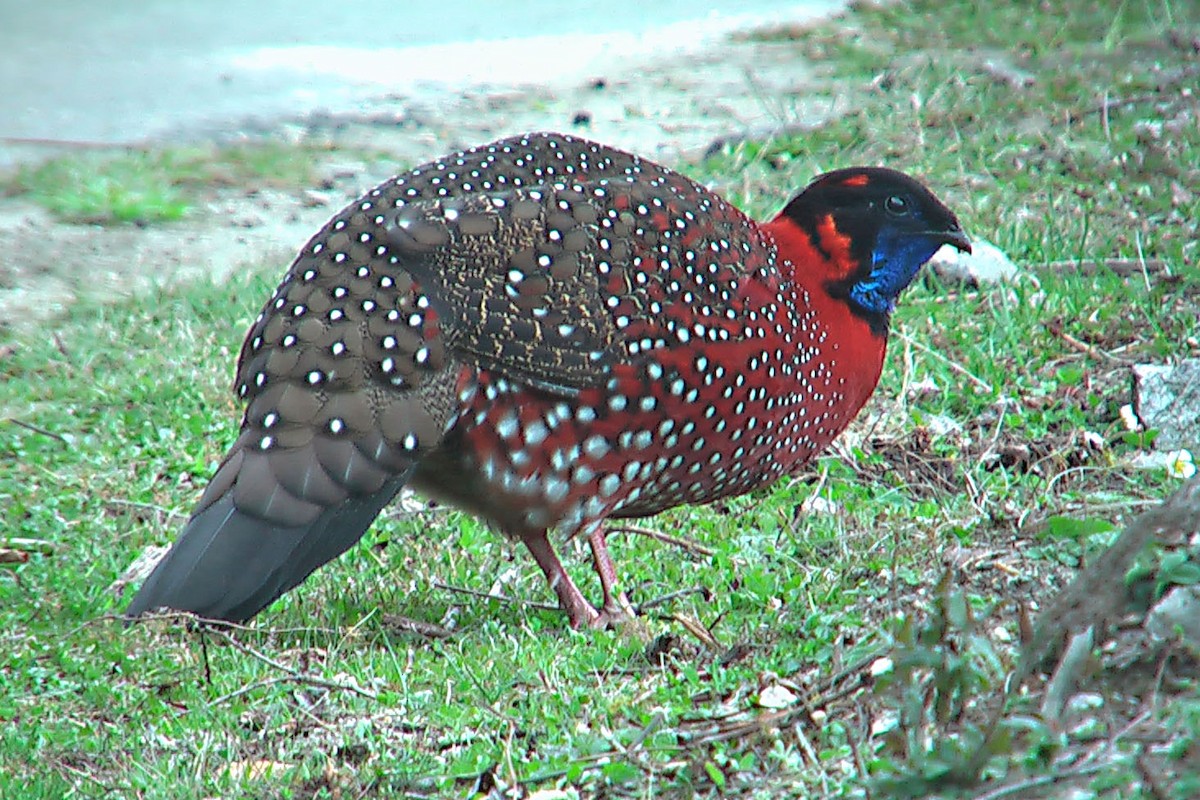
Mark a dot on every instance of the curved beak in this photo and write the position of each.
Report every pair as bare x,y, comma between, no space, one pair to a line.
956,238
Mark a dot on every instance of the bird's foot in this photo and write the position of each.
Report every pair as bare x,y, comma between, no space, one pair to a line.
615,612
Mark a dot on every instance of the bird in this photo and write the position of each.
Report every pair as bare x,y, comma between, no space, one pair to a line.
548,333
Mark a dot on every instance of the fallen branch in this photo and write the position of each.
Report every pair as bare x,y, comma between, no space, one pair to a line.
677,541
502,598
31,427
1085,348
1119,266
293,673
42,546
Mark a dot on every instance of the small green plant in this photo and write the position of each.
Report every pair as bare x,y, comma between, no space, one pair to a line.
157,185
940,667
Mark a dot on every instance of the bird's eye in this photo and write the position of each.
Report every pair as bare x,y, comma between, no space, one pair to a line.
896,205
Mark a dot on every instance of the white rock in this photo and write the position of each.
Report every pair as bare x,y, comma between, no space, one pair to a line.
1167,399
986,264
818,505
776,697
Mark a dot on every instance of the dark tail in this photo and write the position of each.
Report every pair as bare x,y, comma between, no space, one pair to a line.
230,565
266,521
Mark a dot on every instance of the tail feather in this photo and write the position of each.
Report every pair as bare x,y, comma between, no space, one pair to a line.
229,565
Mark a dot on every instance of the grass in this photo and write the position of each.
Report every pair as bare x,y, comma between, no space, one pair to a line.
158,184
853,627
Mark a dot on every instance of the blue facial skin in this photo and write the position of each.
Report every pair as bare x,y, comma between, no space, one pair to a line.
897,257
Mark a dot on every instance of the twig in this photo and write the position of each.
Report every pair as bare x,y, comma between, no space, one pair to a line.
77,144
1041,780
13,556
959,368
1086,348
29,426
167,512
292,672
429,630
856,746
1119,266
502,598
654,602
702,634
31,545
677,541
225,698
811,754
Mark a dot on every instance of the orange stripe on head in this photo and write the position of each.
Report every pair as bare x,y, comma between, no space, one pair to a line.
837,245
856,180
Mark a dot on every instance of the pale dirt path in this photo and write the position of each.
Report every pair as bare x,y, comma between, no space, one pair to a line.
672,111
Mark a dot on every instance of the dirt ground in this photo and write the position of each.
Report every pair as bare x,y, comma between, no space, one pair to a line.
674,111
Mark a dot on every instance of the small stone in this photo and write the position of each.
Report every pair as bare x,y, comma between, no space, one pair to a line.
776,697
924,387
941,425
1129,419
818,505
1083,702
881,666
311,198
1167,399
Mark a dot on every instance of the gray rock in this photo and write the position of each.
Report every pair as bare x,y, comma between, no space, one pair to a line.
985,265
1177,615
1167,399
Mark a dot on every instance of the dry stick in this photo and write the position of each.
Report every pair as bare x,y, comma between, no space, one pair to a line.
677,541
811,754
502,598
702,634
78,144
190,618
959,368
1087,349
250,687
642,608
1118,266
31,545
816,699
166,512
31,427
1043,780
296,675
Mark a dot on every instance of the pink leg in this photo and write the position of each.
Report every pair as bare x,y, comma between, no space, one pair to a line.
616,606
579,611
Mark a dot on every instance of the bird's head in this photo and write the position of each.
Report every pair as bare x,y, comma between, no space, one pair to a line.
873,228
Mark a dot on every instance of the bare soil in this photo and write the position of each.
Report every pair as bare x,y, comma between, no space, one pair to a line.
674,111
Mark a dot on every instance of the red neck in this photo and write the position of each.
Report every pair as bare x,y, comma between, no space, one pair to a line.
855,352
